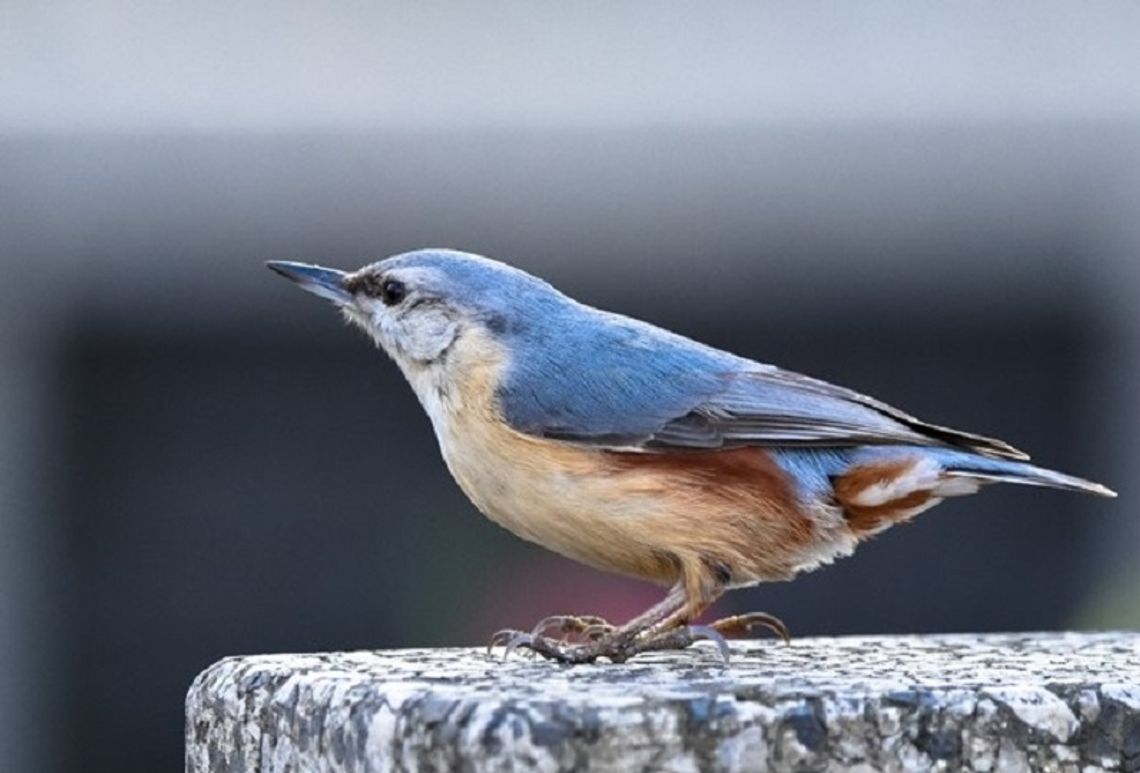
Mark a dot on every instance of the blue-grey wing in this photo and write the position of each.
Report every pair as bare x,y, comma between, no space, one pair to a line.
627,385
777,407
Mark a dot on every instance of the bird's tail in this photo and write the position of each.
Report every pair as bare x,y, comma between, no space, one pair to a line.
987,470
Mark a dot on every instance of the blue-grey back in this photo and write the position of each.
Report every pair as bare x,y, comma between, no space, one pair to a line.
587,374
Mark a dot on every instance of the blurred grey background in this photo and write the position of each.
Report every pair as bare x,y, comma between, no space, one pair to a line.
933,203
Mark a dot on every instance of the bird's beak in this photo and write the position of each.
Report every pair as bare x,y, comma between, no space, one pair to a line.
325,282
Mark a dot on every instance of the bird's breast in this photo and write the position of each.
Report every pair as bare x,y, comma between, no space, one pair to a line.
539,489
554,494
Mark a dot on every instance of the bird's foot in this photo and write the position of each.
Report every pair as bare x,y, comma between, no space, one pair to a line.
583,628
559,650
616,646
601,640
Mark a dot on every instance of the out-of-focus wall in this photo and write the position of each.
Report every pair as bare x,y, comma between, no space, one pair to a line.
937,206
266,66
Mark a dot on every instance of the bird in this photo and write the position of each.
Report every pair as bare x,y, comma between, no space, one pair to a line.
635,450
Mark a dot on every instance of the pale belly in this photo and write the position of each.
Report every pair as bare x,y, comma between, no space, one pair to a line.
562,499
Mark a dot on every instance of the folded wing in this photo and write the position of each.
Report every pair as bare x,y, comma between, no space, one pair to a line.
621,384
778,407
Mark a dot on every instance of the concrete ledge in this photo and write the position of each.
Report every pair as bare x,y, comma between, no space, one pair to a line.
1065,702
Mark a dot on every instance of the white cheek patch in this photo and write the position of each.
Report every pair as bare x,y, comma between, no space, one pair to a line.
429,334
421,335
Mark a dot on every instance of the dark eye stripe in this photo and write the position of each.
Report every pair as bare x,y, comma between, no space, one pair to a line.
366,284
390,291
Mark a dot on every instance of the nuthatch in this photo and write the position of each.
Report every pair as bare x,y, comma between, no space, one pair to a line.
636,450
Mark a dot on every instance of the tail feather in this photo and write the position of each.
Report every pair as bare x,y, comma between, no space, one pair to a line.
876,487
1001,471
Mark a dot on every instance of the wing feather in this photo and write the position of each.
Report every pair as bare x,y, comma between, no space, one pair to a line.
779,407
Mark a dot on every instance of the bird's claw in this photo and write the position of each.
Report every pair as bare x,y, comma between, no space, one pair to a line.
698,632
739,625
504,638
520,639
512,640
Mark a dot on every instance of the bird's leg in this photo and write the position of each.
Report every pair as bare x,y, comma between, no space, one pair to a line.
666,625
655,614
700,588
593,627
677,632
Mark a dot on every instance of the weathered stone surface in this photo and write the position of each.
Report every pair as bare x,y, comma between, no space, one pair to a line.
1058,702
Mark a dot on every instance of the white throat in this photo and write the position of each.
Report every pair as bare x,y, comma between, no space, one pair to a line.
433,386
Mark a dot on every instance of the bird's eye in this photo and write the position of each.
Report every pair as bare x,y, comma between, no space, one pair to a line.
392,291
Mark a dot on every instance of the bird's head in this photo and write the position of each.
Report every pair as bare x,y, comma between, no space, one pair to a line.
416,306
